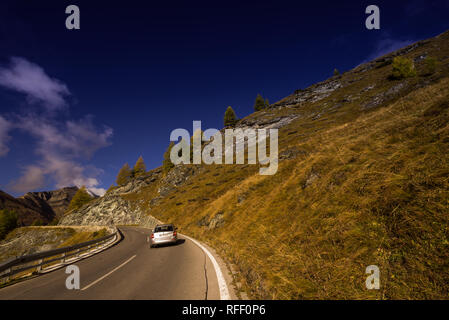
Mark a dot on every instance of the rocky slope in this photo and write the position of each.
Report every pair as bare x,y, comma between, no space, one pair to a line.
41,207
362,180
113,208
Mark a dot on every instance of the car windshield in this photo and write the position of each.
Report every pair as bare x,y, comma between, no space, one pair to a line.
163,228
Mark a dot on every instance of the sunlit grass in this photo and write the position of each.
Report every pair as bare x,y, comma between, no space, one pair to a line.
366,187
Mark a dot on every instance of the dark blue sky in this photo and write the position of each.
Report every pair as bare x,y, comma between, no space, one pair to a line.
144,68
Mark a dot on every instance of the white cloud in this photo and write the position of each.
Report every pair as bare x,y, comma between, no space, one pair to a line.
5,126
97,191
62,147
28,78
65,172
33,177
85,139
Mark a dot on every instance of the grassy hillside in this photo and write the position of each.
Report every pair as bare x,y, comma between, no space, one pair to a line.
362,180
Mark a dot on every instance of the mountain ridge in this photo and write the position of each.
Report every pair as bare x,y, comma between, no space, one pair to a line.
38,207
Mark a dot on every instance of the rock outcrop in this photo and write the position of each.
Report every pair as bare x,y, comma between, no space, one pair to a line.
27,212
312,94
111,209
114,208
55,201
38,207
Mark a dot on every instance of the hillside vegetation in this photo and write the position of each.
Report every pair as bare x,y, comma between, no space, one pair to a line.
362,180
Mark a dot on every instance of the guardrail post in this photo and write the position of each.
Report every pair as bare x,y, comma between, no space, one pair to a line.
63,258
39,267
8,274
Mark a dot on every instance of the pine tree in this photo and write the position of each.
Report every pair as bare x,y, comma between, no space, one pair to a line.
336,72
80,198
124,175
267,103
139,168
259,104
230,118
167,165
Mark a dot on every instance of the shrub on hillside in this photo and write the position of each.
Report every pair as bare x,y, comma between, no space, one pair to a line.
402,68
8,222
54,222
37,223
430,66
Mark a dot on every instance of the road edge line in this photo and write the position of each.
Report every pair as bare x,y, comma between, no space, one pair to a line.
222,285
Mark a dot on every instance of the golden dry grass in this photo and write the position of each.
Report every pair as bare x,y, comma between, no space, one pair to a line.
381,197
366,187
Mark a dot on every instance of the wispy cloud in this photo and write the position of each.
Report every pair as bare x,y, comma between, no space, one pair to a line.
387,45
73,138
62,146
32,178
30,79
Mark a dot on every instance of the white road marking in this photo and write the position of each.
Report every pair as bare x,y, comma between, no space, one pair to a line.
224,292
107,274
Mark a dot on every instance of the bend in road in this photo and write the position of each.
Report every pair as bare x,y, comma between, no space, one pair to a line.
130,270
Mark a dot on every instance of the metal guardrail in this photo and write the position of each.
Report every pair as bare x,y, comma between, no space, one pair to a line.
18,265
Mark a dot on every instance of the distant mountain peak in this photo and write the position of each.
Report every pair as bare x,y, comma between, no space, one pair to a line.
43,206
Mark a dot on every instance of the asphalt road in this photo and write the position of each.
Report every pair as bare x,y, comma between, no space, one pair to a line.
130,270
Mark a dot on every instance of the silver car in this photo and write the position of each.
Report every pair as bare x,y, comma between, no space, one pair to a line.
163,234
